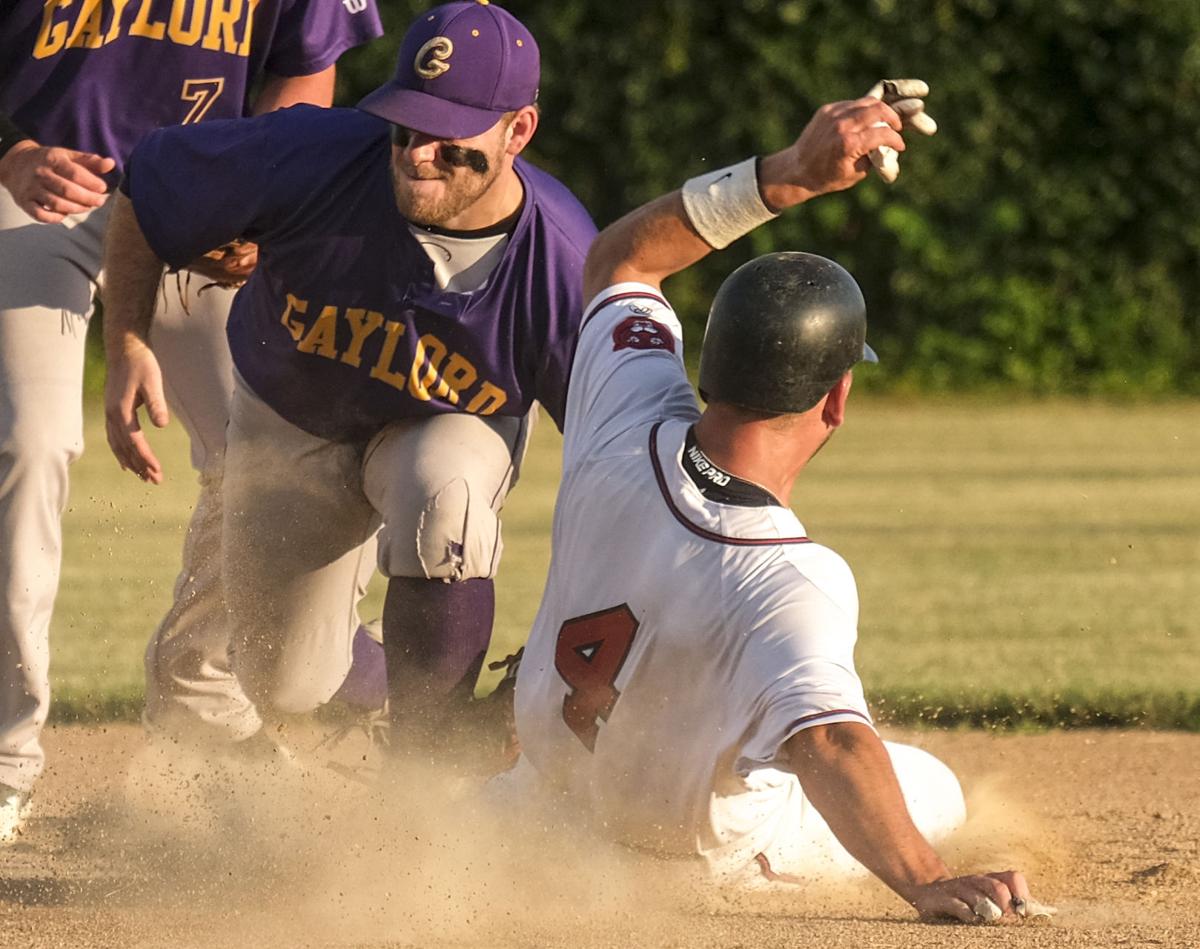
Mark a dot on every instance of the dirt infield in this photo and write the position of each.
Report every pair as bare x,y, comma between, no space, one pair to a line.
1106,824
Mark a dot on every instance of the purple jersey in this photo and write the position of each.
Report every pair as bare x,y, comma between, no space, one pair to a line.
96,75
342,328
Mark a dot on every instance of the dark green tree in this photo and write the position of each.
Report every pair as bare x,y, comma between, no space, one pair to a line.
1047,240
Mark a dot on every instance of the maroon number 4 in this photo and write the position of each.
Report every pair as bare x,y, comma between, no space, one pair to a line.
589,655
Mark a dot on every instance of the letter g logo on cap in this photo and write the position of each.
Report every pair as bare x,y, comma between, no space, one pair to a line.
430,61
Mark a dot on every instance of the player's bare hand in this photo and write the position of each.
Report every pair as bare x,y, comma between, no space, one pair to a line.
229,265
983,898
832,152
50,183
134,381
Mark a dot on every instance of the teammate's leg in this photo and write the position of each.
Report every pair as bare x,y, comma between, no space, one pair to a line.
296,550
440,484
189,681
47,281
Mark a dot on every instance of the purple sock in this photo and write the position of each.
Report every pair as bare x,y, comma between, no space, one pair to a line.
435,636
366,682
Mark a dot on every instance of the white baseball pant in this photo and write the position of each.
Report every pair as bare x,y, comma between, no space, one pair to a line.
779,821
802,845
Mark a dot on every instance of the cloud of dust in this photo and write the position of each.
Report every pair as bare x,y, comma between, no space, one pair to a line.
1002,834
276,854
272,854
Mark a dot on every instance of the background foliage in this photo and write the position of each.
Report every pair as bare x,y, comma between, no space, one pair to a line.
1047,240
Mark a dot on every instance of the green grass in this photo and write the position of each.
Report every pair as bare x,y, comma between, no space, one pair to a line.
1033,563
1037,560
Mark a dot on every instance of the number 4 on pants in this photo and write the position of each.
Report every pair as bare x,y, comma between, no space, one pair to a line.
589,655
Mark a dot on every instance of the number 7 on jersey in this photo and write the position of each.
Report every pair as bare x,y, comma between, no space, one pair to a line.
589,655
202,93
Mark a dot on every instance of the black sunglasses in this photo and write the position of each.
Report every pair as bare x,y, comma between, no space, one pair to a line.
454,155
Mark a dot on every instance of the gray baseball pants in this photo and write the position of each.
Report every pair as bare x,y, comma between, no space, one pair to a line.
190,687
300,515
48,279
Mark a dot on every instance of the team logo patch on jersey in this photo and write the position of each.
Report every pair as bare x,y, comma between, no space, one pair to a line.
641,332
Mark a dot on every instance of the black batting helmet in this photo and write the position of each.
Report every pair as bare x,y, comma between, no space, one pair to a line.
782,330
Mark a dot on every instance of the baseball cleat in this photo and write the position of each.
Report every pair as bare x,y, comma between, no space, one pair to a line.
15,808
355,742
484,731
473,738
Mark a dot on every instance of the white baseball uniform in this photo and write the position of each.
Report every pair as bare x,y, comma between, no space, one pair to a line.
681,641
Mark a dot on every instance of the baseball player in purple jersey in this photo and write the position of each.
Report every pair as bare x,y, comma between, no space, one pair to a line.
418,288
80,84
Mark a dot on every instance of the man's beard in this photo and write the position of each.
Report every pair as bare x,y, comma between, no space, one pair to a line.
464,186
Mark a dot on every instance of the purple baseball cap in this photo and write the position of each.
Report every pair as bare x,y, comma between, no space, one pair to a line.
461,67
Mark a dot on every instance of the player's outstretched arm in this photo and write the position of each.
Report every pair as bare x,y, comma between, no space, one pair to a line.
671,233
847,773
132,272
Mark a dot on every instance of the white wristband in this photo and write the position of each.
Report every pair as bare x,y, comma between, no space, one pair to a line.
725,204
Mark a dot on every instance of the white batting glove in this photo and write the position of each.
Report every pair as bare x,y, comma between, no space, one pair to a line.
986,910
1032,909
907,97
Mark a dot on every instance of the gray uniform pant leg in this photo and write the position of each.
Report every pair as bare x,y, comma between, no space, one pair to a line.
300,519
189,679
439,484
297,548
48,278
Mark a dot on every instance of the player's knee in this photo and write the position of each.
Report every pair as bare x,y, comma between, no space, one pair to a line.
451,535
931,790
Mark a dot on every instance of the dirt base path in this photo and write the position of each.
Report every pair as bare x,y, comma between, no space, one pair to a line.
1106,824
